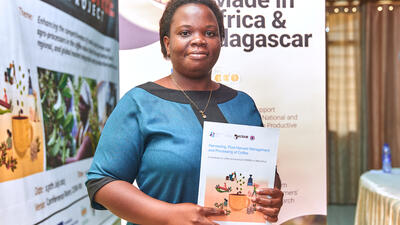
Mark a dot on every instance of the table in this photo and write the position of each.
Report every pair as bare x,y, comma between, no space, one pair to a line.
379,198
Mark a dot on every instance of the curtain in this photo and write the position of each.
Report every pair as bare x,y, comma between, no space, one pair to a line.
347,158
382,68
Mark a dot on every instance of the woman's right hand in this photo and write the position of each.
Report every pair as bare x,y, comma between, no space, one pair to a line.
190,214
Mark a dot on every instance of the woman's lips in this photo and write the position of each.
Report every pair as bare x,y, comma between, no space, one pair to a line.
197,55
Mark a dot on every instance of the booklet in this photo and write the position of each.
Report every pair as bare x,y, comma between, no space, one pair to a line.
236,160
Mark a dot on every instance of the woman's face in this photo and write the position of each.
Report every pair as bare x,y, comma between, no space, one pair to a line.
194,42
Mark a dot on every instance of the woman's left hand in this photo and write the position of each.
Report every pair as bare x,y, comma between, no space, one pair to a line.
269,206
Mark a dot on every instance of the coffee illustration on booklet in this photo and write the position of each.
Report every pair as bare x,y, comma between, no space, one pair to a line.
236,185
238,201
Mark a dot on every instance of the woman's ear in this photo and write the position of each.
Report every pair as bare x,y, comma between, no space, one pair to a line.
166,44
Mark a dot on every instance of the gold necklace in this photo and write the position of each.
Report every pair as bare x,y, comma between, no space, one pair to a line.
202,112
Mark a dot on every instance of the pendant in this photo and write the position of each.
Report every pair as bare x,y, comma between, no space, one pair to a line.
202,114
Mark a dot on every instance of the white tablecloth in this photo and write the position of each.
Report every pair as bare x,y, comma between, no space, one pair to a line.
379,198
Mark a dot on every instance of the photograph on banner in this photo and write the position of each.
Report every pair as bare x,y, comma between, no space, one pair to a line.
21,131
70,117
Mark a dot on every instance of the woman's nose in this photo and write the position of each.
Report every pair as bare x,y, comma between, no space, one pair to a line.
199,40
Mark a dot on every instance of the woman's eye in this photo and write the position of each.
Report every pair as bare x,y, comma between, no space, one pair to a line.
184,33
210,33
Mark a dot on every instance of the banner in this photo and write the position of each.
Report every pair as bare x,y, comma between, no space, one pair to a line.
59,83
275,52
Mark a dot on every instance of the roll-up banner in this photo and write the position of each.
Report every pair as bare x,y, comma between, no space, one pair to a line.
274,50
59,83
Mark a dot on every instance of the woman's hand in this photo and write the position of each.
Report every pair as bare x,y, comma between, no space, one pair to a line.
190,214
270,207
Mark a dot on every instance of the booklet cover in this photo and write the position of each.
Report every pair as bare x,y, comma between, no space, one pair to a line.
236,160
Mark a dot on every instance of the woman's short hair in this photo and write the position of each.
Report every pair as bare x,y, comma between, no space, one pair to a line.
173,5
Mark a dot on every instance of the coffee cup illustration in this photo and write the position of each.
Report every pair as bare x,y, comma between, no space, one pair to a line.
22,134
238,201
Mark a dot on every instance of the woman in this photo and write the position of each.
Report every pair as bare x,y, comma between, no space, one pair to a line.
154,133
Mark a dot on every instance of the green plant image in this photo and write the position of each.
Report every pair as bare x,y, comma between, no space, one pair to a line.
66,124
60,143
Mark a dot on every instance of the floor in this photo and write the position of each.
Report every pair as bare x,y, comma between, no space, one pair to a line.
341,214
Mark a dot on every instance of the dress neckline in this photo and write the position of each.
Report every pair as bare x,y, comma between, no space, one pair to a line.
220,95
